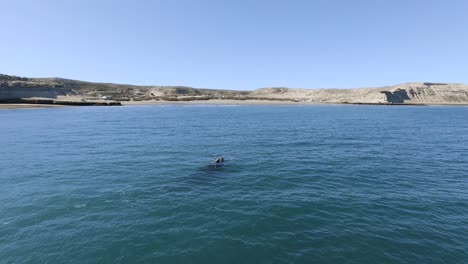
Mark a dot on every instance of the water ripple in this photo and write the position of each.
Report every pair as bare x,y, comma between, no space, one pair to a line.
325,184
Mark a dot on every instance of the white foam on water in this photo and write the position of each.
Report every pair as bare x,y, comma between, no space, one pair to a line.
79,205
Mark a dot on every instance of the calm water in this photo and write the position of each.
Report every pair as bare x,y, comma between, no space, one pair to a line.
303,184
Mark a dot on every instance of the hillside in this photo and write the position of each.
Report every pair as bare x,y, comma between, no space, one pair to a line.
13,87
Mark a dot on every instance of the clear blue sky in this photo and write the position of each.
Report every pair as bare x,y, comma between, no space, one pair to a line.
237,44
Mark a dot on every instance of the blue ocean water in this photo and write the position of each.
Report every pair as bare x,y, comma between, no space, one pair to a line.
302,184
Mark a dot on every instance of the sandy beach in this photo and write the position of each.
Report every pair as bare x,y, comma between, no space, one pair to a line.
216,102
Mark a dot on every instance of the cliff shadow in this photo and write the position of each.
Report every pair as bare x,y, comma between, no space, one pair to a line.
397,97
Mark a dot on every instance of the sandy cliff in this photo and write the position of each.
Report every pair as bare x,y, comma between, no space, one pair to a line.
12,87
408,93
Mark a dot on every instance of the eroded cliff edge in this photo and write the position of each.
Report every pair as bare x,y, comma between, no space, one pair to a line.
13,87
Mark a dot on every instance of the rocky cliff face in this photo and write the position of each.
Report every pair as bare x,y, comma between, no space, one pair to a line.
408,93
12,87
428,93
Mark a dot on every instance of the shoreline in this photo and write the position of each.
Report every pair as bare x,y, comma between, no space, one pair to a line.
50,102
29,106
24,105
274,102
215,102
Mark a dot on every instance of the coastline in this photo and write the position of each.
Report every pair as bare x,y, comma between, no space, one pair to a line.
274,102
203,102
22,90
216,102
51,102
28,106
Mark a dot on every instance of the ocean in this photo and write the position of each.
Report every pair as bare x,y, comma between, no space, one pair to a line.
301,184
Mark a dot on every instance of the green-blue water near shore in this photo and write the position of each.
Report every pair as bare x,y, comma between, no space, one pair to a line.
303,184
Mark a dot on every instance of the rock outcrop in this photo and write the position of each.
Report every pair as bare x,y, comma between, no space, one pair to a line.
408,93
12,87
428,93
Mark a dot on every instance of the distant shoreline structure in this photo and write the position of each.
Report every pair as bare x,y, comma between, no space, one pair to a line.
58,91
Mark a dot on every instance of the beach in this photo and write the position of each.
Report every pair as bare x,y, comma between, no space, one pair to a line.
215,102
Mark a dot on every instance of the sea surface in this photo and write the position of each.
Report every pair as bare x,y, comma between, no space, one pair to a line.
301,184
